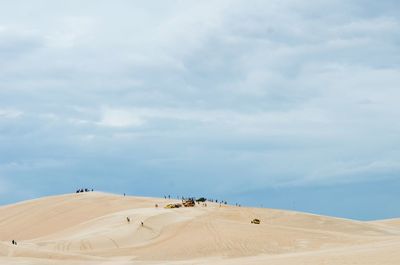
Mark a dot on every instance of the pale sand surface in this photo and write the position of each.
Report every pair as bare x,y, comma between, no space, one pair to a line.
91,228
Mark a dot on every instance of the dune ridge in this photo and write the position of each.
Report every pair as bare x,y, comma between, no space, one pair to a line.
91,228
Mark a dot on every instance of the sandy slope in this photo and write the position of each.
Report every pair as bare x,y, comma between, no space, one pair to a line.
91,228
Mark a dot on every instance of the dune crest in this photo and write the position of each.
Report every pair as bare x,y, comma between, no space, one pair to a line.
92,228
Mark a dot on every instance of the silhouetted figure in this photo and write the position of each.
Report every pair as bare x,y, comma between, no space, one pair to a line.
169,196
141,223
128,219
124,194
156,205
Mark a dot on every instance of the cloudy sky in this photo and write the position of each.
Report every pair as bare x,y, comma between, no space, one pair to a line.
286,104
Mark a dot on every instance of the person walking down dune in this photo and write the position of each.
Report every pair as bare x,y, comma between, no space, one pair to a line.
128,219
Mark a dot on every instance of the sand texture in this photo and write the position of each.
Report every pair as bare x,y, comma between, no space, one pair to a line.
91,228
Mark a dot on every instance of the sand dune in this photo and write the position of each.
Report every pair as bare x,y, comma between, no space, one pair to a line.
91,228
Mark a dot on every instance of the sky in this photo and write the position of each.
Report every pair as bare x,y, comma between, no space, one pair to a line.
283,104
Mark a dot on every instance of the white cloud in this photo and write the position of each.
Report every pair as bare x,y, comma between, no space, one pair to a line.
10,113
379,25
120,118
71,32
264,121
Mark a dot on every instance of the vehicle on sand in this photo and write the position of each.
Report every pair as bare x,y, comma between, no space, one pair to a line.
173,205
189,203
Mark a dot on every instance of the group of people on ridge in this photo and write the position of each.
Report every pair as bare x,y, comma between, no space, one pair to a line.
83,190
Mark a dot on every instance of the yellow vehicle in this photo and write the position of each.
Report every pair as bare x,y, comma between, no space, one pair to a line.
173,205
256,221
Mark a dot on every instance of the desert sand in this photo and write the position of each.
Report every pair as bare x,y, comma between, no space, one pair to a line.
91,228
